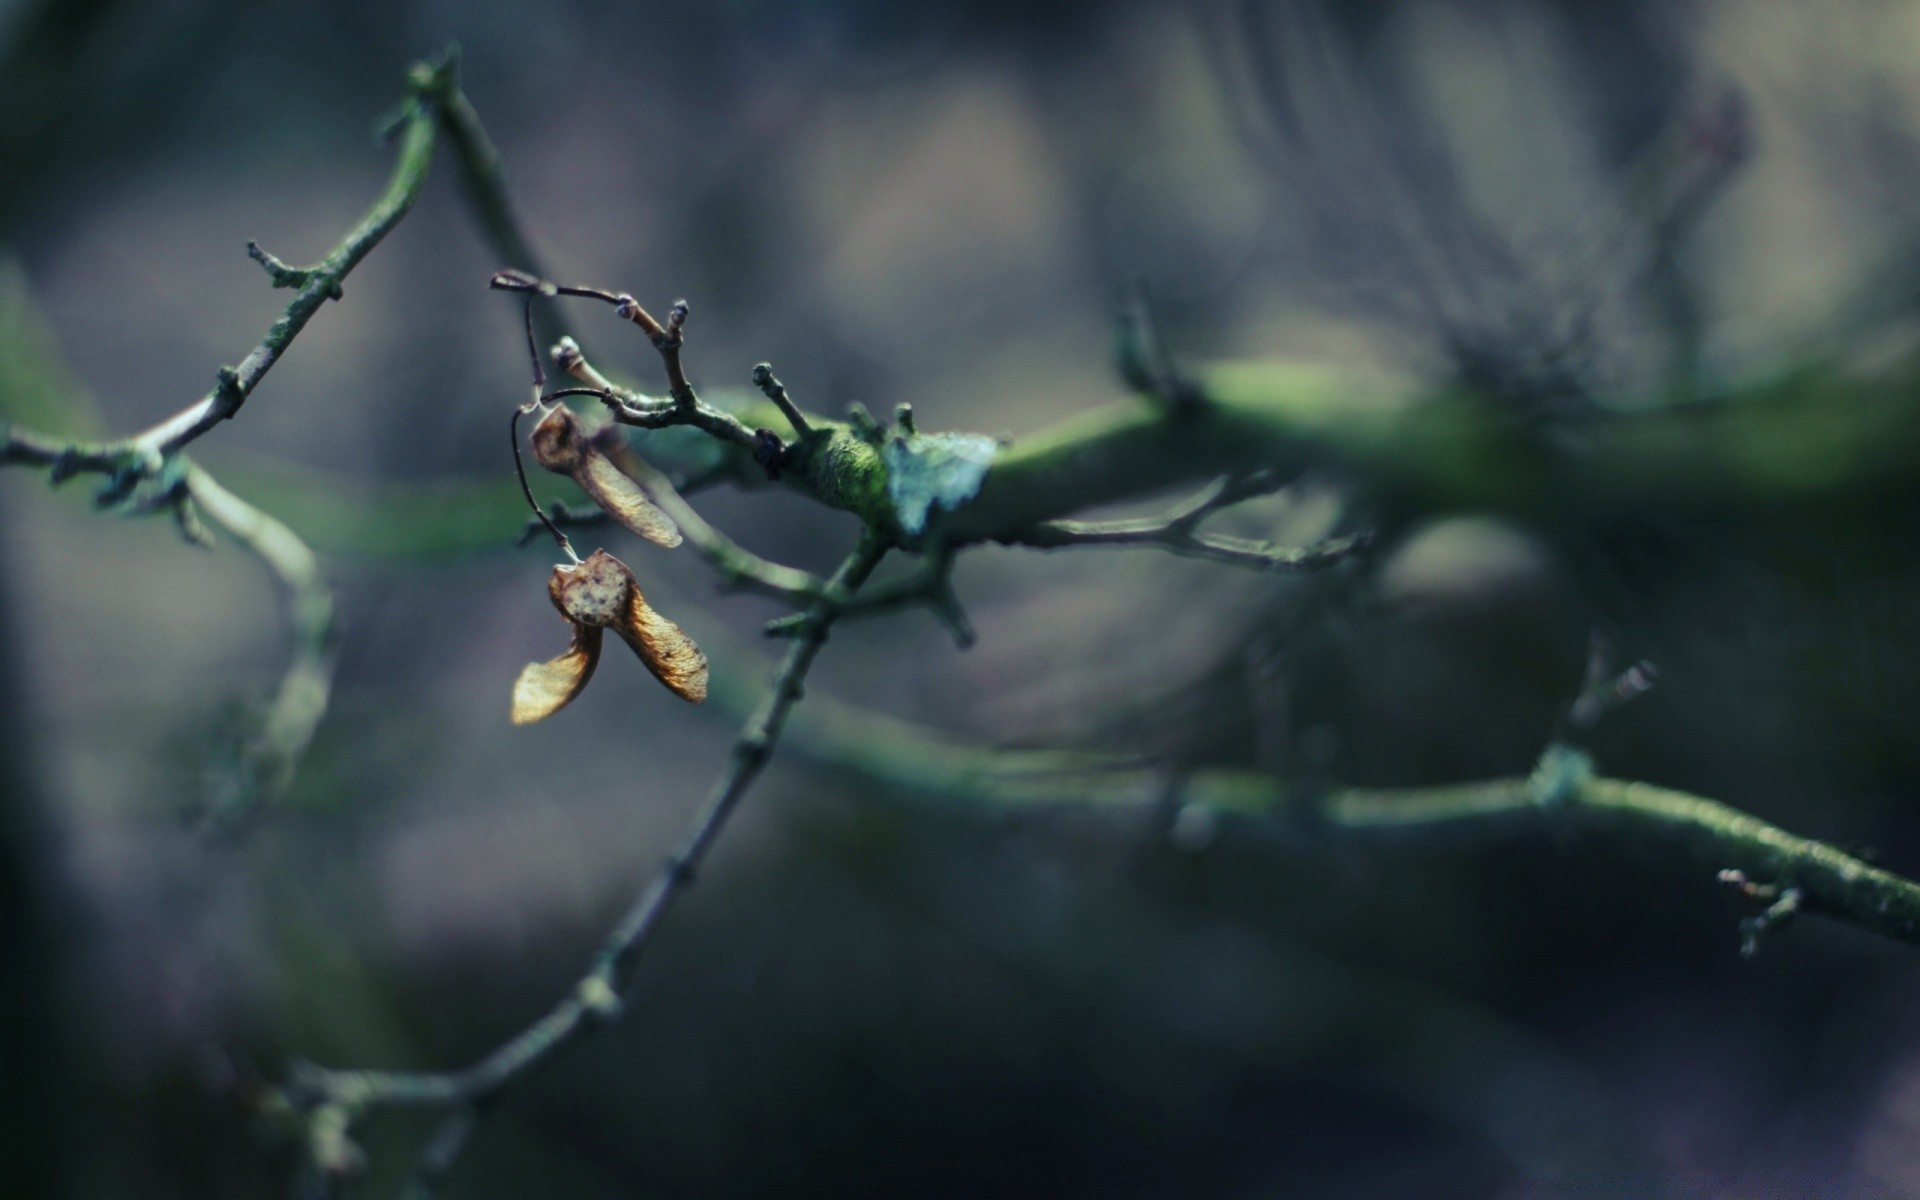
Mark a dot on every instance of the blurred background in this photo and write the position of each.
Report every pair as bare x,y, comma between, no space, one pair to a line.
871,993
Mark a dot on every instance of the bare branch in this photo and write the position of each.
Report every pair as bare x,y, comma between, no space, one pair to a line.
685,407
273,753
929,586
1178,533
322,1095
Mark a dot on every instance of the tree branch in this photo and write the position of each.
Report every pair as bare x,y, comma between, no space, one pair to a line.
1563,794
142,455
737,567
1178,533
271,755
329,1101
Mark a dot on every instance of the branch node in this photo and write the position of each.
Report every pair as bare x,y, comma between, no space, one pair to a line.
64,465
285,275
330,1145
597,995
1783,904
1557,779
770,452
120,485
228,395
1141,357
752,752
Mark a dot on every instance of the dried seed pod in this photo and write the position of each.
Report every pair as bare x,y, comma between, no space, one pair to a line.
561,445
599,594
543,689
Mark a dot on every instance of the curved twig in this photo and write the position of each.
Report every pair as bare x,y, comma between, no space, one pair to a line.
331,1100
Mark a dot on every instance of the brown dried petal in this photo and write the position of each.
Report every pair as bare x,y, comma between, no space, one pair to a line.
545,688
668,652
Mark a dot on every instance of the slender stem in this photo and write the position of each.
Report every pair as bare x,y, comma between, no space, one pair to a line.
143,452
598,995
736,566
300,702
526,489
1564,794
1178,532
323,283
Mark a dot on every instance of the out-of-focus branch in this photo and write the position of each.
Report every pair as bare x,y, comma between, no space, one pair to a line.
131,461
146,472
1178,533
1564,794
1824,431
328,1102
1788,873
270,756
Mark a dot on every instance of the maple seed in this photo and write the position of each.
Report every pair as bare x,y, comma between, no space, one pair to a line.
599,594
561,445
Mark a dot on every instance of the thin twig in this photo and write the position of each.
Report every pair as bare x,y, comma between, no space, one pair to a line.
1564,795
1178,533
146,451
737,567
686,407
929,586
300,702
599,994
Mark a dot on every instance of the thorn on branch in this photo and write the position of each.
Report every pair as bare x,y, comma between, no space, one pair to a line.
119,486
192,529
1782,905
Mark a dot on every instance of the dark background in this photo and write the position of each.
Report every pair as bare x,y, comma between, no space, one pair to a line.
870,994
